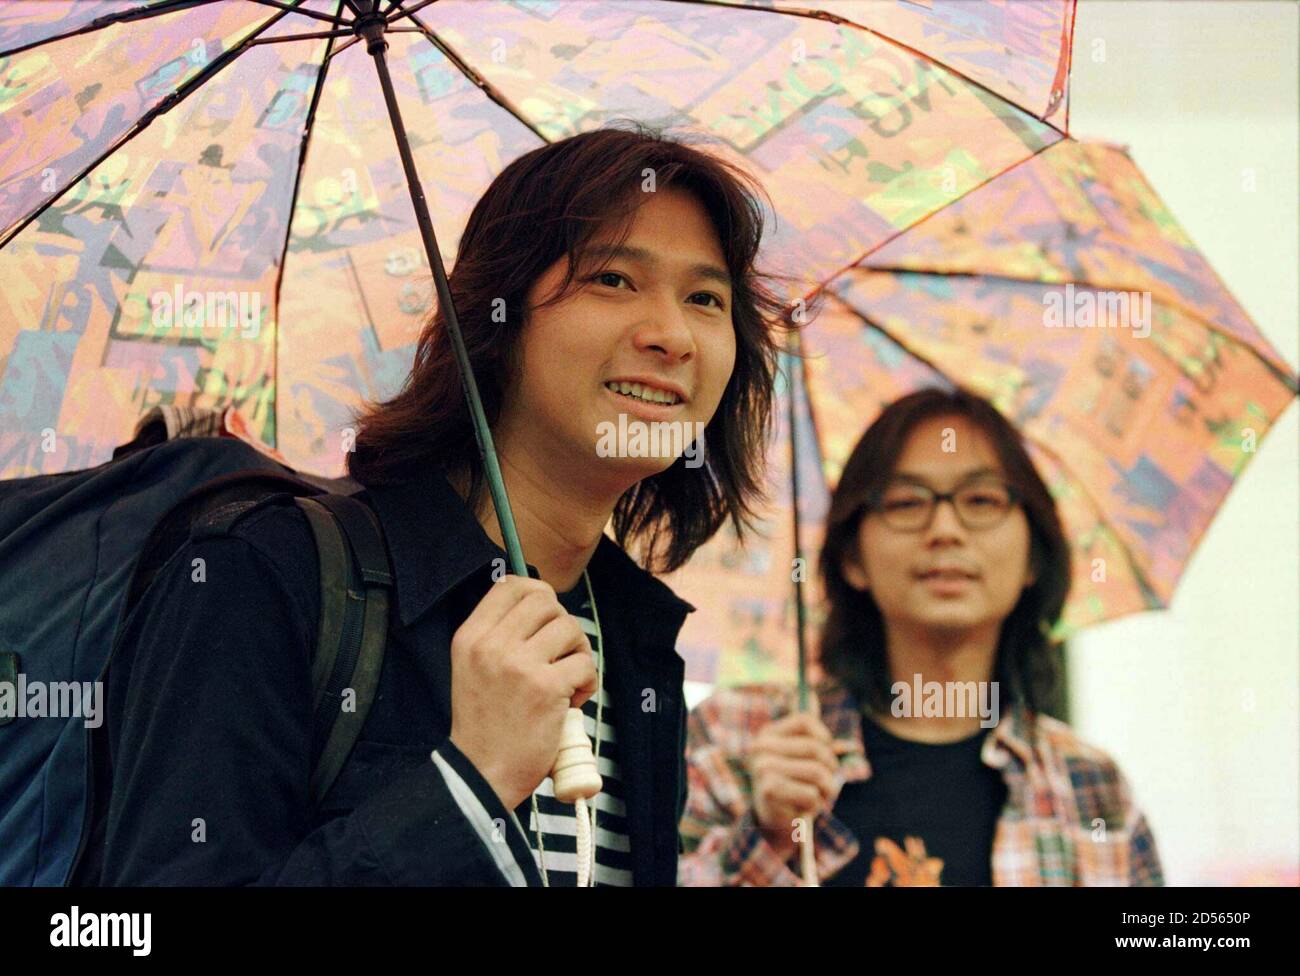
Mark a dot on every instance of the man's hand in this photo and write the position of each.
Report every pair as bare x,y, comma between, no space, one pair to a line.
792,766
518,663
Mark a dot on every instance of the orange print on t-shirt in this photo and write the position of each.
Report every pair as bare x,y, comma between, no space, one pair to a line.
912,869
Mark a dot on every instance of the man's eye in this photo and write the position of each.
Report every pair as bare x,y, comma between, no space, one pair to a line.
900,504
607,274
709,294
986,499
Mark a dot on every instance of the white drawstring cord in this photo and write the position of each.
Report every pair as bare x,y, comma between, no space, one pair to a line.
586,850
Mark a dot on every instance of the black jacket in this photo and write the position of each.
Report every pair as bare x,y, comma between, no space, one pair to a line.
204,757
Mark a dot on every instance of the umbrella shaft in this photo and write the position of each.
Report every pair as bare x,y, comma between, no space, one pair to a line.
373,32
791,363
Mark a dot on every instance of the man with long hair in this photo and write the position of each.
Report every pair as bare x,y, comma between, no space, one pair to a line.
930,760
604,277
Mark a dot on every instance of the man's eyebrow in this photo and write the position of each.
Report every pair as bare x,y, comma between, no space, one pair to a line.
964,476
641,255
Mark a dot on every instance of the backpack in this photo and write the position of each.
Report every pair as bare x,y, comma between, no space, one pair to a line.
79,549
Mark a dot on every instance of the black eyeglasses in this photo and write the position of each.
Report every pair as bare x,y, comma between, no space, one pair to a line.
907,506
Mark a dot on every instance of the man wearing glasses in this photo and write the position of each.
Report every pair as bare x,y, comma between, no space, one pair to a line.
928,759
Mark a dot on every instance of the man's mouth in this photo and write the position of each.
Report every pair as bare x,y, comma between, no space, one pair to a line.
644,392
947,573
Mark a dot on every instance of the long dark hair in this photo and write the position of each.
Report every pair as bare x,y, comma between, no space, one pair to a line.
852,647
548,203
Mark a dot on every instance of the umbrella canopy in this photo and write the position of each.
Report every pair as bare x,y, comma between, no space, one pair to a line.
234,163
1066,293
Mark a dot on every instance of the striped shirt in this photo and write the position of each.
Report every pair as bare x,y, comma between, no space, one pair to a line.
559,823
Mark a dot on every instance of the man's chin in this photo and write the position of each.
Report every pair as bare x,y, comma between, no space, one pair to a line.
632,469
951,621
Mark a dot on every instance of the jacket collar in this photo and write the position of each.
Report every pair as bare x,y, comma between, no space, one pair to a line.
1013,736
436,543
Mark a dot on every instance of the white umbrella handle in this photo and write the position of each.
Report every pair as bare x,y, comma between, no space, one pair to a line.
807,854
577,780
574,773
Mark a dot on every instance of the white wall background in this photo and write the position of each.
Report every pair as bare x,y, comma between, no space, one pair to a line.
1201,704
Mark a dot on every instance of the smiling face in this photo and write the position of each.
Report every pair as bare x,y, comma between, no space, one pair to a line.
946,578
651,336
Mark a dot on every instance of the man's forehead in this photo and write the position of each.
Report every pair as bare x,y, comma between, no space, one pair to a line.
952,437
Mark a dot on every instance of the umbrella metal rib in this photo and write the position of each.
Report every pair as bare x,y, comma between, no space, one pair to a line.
166,105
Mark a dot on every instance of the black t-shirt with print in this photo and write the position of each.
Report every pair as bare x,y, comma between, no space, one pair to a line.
942,796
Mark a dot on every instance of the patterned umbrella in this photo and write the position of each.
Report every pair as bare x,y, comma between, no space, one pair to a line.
1065,292
235,164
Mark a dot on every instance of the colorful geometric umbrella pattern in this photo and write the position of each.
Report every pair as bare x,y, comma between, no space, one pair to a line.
1139,415
195,210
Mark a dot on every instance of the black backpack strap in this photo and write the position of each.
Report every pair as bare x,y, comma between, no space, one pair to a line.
353,628
212,508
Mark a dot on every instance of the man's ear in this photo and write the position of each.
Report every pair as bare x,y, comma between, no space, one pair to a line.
855,574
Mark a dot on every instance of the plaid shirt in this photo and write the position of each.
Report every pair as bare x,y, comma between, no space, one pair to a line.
1069,818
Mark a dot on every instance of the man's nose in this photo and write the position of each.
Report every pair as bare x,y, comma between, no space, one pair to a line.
666,332
945,526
